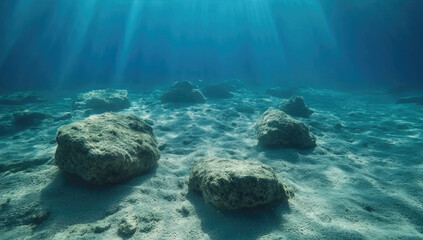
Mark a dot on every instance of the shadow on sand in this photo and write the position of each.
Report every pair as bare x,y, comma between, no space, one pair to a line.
241,224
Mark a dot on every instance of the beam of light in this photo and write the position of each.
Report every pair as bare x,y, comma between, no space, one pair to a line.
131,26
22,14
76,36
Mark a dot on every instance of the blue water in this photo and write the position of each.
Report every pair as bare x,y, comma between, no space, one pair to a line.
77,44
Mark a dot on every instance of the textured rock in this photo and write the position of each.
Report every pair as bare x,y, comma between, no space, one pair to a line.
234,184
295,106
106,148
102,100
28,118
217,91
183,92
275,129
417,100
128,225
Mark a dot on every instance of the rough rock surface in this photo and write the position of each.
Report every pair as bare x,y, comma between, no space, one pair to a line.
275,129
217,91
106,148
128,225
295,106
102,100
183,92
417,100
234,184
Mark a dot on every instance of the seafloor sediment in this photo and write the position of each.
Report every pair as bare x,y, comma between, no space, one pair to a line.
363,180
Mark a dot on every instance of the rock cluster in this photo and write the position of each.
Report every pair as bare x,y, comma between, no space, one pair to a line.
106,148
183,92
102,100
275,129
295,106
233,184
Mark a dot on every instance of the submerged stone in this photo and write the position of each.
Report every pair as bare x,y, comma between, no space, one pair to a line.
296,106
107,148
102,100
280,92
275,129
183,92
234,184
28,118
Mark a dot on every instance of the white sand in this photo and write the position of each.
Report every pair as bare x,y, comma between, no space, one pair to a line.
363,181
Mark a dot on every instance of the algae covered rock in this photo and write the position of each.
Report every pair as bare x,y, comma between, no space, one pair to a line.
183,92
275,129
106,148
295,106
234,184
102,100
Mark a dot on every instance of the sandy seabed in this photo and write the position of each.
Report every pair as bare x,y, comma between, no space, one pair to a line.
364,180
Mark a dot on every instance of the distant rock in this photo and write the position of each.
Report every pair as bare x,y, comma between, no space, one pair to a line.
217,91
106,148
234,184
20,98
295,106
65,116
102,100
183,92
417,100
281,92
28,118
275,129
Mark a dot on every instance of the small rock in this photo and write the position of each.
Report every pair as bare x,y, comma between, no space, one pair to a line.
233,184
275,129
28,118
183,92
148,221
102,100
65,116
295,106
128,225
100,227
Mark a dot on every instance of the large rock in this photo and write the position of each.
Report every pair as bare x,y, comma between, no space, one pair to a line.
295,106
234,184
106,148
275,129
217,91
102,100
183,92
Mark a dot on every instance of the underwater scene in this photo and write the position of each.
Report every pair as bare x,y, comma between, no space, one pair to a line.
211,119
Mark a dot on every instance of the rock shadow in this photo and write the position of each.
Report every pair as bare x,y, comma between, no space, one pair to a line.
72,200
241,224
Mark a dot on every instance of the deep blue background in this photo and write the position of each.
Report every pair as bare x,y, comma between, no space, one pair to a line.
73,44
